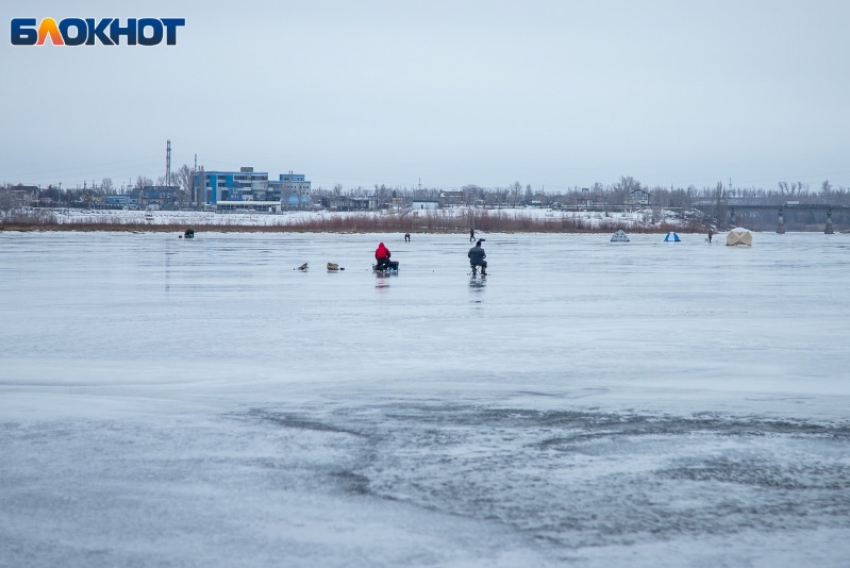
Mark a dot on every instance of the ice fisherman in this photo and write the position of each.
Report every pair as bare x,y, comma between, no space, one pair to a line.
382,255
476,257
710,234
471,235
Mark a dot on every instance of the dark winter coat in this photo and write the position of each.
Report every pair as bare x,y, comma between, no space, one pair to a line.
476,256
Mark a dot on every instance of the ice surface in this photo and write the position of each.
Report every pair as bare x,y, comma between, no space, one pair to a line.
172,402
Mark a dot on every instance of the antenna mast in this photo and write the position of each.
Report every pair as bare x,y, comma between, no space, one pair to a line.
168,163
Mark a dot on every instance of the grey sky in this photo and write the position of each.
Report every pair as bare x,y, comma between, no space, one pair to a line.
551,93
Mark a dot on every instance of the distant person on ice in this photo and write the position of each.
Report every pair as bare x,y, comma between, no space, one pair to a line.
382,255
710,233
476,258
471,235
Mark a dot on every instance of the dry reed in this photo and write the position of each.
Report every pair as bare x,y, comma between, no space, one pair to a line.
429,222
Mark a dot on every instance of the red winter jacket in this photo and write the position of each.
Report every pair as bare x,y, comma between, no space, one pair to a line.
382,252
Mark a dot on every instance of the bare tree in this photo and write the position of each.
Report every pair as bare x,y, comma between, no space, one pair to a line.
790,190
679,198
719,203
516,188
624,188
471,192
381,192
5,199
182,178
106,185
143,181
502,195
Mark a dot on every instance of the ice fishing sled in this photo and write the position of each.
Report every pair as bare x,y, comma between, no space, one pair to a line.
392,268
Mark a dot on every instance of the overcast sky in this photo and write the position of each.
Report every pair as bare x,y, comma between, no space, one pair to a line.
554,94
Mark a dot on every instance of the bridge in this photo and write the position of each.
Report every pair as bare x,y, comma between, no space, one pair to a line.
782,208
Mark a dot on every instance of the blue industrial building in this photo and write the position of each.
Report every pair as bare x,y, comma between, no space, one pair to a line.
244,185
247,185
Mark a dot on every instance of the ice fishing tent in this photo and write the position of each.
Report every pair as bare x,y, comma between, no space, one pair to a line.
620,237
739,236
672,238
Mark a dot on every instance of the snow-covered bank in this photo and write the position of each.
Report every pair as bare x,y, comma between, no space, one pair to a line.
516,219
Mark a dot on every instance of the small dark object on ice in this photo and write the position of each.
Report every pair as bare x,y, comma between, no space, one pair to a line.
189,234
388,268
303,266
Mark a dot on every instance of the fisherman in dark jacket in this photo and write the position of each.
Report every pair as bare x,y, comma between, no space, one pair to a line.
476,257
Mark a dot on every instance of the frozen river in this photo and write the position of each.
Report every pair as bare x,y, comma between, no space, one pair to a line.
174,402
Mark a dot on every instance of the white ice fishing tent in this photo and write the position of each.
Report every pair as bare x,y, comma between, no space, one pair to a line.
620,237
739,236
672,238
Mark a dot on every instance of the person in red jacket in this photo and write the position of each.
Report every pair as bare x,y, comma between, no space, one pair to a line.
382,255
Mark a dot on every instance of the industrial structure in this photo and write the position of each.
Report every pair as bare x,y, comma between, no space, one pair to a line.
233,190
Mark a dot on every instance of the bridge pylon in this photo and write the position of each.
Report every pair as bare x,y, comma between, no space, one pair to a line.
780,226
828,230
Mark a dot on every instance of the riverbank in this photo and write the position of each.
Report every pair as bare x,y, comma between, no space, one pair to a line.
434,222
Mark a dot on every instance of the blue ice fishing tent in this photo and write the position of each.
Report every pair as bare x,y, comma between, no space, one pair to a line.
672,238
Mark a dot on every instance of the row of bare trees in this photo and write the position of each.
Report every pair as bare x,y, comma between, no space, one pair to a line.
626,190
